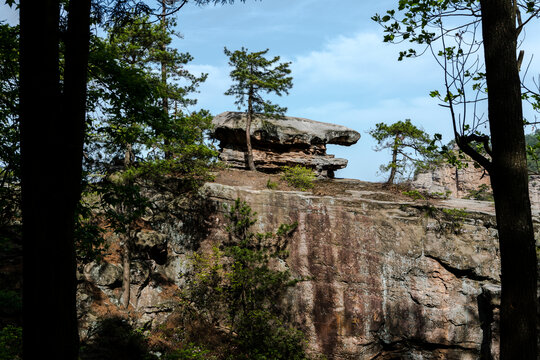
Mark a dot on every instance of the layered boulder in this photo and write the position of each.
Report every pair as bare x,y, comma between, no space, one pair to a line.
283,141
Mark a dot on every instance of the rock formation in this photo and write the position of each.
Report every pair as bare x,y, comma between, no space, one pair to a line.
384,278
463,183
278,142
458,183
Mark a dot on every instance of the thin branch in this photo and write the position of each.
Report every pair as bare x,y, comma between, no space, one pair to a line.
174,11
535,14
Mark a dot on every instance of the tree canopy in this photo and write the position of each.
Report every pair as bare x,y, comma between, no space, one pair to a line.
53,97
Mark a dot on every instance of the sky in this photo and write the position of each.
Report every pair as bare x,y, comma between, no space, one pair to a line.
342,71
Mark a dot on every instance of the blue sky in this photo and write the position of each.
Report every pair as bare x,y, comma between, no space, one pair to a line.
342,71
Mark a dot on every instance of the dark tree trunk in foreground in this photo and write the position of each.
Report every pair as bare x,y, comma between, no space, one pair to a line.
52,133
509,179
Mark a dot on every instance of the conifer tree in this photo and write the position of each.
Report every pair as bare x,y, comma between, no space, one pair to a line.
410,146
255,75
134,134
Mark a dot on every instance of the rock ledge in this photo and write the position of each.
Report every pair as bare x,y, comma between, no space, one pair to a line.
284,141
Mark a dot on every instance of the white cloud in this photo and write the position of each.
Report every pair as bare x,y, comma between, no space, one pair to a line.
362,59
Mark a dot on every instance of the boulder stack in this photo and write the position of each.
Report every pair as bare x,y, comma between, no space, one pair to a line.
283,141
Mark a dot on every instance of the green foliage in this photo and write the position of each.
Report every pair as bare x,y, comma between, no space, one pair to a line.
141,135
299,177
190,352
238,288
130,94
453,155
448,220
11,343
9,124
271,184
450,31
254,75
412,149
89,240
415,194
415,20
455,218
483,193
441,195
533,152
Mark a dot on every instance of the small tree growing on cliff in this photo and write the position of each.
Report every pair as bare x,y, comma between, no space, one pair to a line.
410,146
254,75
240,289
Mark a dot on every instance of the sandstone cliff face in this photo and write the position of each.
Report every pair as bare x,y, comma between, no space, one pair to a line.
384,279
458,182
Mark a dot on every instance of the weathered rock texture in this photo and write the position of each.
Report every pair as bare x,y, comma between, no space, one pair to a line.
278,142
383,279
461,183
448,179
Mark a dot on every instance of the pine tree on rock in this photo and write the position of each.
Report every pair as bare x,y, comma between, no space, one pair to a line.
255,75
411,146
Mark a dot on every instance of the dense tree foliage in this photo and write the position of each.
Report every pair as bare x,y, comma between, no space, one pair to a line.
53,105
134,142
9,124
455,31
254,75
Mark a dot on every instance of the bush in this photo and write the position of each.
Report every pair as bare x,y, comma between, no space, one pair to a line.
483,193
271,185
189,352
299,177
415,194
11,343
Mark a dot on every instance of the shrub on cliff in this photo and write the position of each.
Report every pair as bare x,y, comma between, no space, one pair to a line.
237,291
299,177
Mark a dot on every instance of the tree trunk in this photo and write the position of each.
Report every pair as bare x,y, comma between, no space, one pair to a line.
510,183
126,278
393,164
52,134
165,100
128,156
249,117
